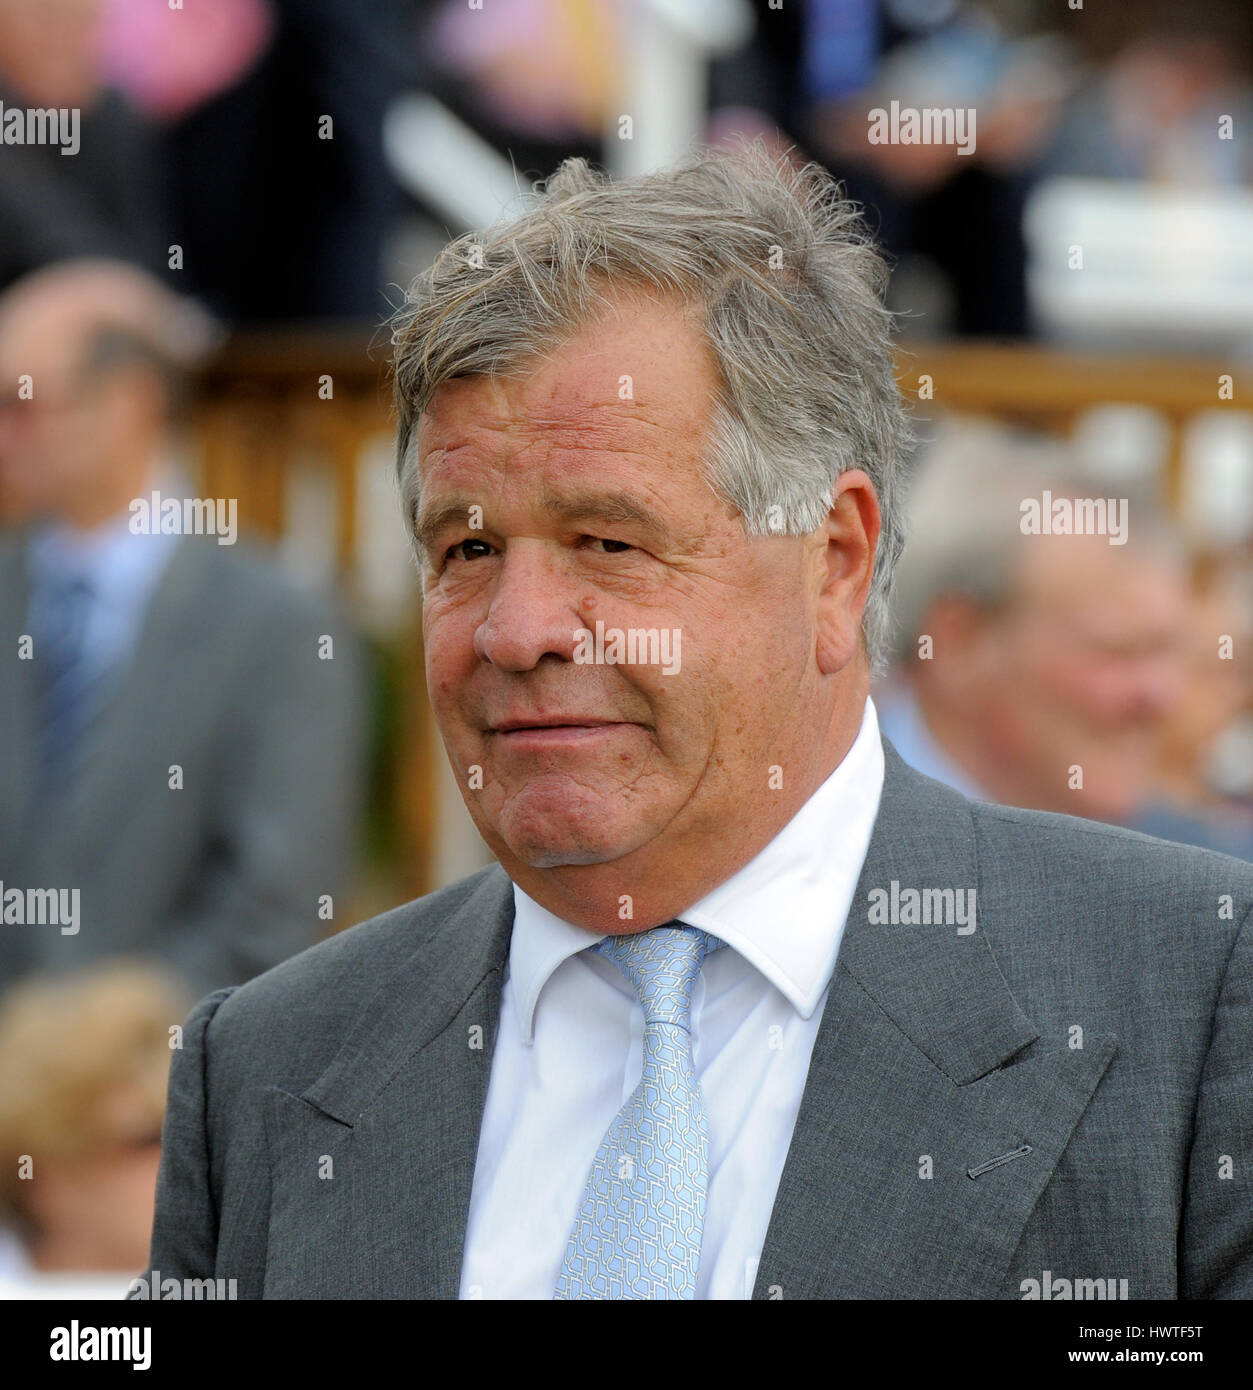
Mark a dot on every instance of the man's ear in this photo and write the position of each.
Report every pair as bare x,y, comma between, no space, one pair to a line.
846,569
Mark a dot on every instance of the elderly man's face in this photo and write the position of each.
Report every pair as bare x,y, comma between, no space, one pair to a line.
73,442
593,509
1085,667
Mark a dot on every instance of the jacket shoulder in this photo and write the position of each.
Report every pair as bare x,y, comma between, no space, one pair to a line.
1115,904
304,1006
1104,858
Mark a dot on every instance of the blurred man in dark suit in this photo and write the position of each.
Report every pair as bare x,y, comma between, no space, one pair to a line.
183,731
109,198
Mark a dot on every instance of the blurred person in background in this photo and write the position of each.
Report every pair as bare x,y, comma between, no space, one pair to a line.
1022,657
176,747
1150,106
950,214
106,198
84,1062
285,159
205,134
540,79
1205,762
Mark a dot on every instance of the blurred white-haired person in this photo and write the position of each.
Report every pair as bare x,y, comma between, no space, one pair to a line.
84,1060
1032,666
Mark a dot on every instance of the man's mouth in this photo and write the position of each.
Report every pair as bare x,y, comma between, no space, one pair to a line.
556,721
556,730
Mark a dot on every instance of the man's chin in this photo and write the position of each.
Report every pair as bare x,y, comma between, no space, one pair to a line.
556,853
552,847
567,859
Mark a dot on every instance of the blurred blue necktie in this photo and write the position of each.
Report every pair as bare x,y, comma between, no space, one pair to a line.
68,683
638,1232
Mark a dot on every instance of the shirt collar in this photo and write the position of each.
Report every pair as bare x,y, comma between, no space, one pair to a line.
121,567
784,911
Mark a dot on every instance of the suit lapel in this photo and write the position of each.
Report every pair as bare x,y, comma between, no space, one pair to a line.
372,1166
924,1070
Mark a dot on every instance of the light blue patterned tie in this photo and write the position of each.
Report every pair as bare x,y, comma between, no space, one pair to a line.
638,1232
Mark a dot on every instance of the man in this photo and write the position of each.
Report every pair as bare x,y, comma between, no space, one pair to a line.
690,1039
181,766
82,172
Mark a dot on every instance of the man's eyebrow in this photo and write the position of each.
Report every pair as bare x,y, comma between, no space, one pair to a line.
618,508
428,522
614,509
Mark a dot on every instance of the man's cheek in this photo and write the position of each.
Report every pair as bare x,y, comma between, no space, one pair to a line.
436,611
448,636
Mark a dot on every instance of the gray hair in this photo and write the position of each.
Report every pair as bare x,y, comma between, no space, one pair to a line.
790,286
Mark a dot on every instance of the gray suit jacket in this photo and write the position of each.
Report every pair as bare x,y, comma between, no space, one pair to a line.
1098,1154
220,879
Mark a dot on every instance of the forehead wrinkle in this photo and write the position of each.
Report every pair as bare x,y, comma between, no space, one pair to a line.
586,425
600,424
613,507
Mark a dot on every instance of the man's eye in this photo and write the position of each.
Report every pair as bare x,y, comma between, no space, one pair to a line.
461,551
611,547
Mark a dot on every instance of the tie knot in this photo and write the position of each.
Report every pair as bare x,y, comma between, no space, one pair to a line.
662,965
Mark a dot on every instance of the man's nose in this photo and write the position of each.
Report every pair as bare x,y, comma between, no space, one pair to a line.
1153,685
533,610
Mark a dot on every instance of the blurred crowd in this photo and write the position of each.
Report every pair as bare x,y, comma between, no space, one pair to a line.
186,731
232,150
238,150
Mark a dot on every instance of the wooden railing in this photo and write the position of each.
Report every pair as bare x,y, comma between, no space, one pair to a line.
265,399
269,396
1045,389
270,404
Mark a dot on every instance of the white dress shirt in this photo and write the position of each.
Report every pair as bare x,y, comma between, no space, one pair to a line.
124,571
569,1049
